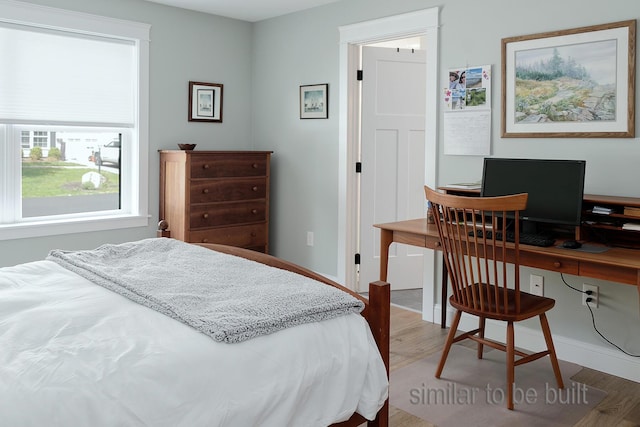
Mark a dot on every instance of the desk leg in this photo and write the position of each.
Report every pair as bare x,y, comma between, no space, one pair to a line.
386,237
444,287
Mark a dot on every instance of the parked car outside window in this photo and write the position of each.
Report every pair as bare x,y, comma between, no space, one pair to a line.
110,153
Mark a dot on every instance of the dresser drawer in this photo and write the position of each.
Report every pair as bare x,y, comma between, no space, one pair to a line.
241,236
213,166
226,213
207,191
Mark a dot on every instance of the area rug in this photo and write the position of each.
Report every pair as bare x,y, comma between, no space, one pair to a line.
472,392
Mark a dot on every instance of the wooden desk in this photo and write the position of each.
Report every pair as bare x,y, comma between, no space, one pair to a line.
616,264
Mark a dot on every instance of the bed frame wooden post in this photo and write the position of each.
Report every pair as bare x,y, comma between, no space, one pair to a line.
163,229
380,303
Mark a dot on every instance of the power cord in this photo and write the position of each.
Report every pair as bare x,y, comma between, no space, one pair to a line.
593,318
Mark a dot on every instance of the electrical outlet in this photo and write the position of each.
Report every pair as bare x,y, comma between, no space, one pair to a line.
309,238
594,295
536,285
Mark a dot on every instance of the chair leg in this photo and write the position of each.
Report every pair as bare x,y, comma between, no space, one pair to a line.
449,342
510,364
481,324
552,351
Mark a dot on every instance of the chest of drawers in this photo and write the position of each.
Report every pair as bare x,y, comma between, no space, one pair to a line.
216,197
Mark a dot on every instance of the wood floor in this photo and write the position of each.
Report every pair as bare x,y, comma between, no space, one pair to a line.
412,339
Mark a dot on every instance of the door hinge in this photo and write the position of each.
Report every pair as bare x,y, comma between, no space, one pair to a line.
357,259
359,75
358,167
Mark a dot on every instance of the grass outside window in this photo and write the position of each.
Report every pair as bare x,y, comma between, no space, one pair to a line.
56,178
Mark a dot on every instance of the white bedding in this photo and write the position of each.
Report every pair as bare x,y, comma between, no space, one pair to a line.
75,354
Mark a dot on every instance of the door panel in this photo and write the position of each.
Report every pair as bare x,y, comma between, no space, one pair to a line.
393,159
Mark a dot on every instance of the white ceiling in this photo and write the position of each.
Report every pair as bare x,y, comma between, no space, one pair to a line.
246,10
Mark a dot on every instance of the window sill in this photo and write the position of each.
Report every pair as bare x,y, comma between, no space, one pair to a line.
68,226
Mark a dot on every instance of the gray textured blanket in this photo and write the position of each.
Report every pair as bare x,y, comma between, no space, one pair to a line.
226,297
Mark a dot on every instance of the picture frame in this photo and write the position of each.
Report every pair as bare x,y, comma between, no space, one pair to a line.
577,83
205,102
314,101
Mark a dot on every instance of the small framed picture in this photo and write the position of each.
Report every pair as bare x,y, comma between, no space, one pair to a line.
205,102
314,101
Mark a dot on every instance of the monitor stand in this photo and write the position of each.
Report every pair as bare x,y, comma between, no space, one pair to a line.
533,227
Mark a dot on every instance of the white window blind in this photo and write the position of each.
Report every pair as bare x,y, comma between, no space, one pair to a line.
57,77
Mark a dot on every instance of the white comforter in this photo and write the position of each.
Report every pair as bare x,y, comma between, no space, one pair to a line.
75,354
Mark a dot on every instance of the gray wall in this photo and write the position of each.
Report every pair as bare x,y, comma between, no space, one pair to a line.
303,48
262,66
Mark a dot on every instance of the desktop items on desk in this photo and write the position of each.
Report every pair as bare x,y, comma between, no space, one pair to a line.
571,244
557,205
611,220
555,189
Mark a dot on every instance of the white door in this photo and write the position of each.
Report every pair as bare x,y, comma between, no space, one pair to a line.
393,159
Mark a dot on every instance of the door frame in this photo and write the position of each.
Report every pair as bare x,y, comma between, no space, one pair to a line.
418,23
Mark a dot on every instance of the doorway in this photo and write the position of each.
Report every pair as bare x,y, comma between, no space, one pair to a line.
352,37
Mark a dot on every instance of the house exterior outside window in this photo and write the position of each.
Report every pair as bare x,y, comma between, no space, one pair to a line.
44,140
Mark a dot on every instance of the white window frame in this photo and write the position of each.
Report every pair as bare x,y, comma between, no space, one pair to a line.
134,212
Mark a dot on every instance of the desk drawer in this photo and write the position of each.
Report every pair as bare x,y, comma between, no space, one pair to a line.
550,262
611,273
412,239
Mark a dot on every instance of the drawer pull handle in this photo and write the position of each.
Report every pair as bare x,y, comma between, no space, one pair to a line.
557,264
437,244
255,166
255,188
253,234
254,211
205,240
205,166
205,191
205,215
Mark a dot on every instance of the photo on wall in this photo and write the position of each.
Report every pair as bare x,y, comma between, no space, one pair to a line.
205,102
314,101
468,88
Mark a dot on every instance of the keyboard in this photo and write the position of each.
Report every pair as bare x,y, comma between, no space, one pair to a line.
525,238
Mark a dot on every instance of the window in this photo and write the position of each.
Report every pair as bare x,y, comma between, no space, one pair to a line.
79,174
73,122
26,139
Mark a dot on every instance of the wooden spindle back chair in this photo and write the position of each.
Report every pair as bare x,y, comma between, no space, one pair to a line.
482,282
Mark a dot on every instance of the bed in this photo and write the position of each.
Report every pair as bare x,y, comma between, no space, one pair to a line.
77,352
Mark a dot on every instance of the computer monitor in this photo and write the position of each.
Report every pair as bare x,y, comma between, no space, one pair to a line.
555,187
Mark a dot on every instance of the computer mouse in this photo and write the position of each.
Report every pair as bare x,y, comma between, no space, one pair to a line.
571,244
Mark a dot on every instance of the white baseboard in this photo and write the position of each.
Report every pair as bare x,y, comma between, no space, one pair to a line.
592,356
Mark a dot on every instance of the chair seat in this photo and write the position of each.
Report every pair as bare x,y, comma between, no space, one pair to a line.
530,305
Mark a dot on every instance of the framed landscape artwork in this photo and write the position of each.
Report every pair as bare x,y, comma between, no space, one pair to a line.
205,102
570,83
314,101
